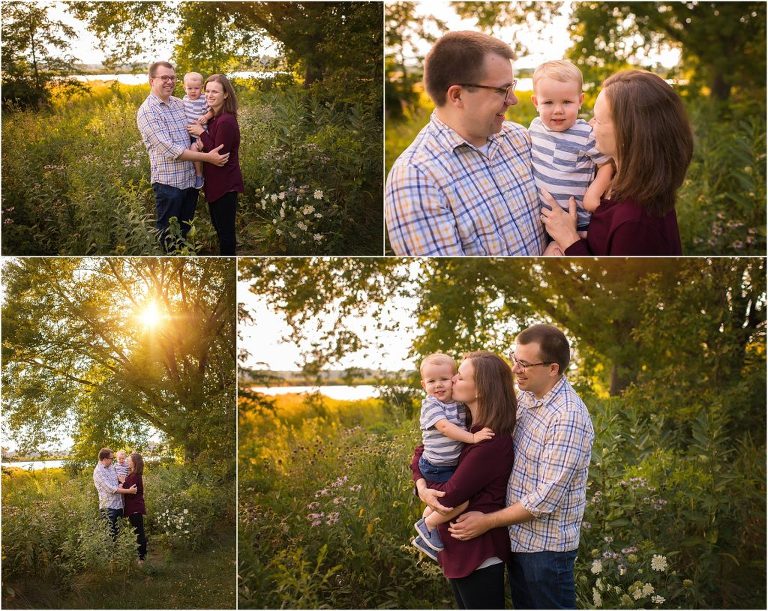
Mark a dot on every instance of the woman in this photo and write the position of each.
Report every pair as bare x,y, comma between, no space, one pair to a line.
475,567
222,184
134,504
639,121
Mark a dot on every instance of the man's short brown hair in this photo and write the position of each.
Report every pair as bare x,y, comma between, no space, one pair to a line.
105,453
458,58
153,68
553,345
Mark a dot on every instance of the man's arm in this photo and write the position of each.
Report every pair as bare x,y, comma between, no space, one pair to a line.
419,217
474,523
213,157
154,133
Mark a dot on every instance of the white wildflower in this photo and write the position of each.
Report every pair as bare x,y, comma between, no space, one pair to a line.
659,563
318,194
597,567
596,598
658,599
648,589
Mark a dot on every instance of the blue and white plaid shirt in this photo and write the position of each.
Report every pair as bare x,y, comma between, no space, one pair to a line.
445,196
105,480
163,128
553,445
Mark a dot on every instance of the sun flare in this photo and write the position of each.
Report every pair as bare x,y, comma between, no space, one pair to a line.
150,316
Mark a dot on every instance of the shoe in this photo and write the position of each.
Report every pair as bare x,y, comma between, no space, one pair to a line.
430,537
419,544
199,182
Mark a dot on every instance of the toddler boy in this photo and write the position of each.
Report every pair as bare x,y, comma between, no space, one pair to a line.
197,111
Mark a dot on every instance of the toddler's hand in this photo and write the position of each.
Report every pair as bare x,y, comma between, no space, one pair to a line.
482,435
203,120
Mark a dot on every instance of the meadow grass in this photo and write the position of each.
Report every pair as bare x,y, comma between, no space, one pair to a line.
76,180
57,552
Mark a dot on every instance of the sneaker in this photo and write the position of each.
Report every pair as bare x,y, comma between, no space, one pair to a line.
419,544
430,537
199,182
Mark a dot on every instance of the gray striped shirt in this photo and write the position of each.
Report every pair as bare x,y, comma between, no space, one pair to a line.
565,163
194,109
440,450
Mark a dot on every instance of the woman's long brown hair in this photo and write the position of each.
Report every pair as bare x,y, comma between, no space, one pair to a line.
496,398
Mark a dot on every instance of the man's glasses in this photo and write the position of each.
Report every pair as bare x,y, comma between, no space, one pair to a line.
507,92
523,365
166,79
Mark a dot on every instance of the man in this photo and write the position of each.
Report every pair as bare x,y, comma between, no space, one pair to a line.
465,184
110,492
547,490
163,126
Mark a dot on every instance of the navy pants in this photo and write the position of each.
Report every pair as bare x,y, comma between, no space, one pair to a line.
223,221
111,515
542,580
170,201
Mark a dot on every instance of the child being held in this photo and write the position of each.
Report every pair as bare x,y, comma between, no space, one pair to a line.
443,423
197,111
121,467
563,151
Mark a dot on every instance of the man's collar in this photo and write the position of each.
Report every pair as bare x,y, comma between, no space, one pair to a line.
534,401
452,140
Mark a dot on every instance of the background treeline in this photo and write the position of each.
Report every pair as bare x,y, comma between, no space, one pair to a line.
721,77
669,357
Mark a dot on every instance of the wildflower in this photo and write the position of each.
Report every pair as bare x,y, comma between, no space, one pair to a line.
599,585
307,210
608,539
318,194
313,505
628,550
273,197
632,558
586,525
596,598
648,589
597,567
658,599
622,569
282,213
301,225
738,244
318,237
687,583
626,600
185,511
281,197
658,563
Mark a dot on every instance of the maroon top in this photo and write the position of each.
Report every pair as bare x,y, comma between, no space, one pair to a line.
219,181
480,478
134,503
626,228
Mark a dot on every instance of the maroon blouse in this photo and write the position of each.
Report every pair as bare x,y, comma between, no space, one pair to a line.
134,503
625,228
219,181
480,478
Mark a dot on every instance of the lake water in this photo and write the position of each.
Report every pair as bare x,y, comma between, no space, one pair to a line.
141,79
35,465
349,393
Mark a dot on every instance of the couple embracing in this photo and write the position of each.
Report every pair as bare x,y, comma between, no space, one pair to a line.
505,484
192,143
121,493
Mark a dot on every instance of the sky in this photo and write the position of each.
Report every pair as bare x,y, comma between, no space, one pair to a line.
264,338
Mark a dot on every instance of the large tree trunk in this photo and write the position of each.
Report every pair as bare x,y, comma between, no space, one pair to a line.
721,90
620,379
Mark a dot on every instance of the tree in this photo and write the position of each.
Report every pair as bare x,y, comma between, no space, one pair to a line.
608,307
722,43
77,356
35,54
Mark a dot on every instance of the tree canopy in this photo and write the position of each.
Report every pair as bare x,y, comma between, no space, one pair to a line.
682,327
82,354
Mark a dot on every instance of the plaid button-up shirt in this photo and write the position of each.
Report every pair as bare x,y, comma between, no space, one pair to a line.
553,445
445,196
105,480
163,127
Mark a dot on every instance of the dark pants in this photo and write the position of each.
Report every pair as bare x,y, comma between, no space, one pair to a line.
137,521
170,201
223,221
111,515
543,580
482,589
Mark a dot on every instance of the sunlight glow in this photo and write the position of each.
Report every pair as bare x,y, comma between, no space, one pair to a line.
150,316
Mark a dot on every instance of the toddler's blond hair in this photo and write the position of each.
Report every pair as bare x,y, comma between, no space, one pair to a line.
437,358
560,70
193,75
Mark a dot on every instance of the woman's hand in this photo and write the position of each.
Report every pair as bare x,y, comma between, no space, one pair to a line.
559,224
469,525
195,129
430,496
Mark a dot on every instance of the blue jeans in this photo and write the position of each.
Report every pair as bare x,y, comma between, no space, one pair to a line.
111,515
434,473
170,201
542,580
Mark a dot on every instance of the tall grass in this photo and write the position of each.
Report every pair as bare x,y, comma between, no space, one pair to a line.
76,179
